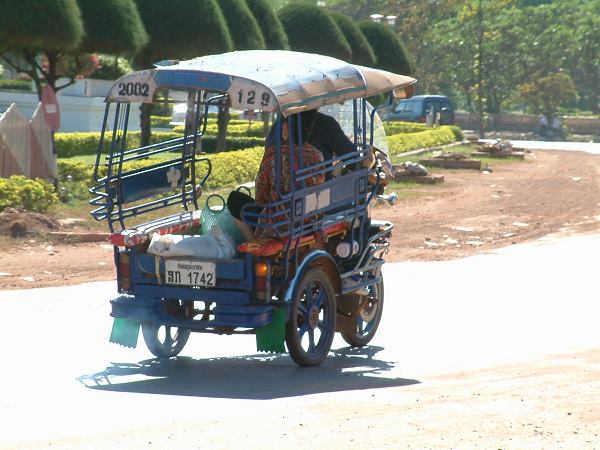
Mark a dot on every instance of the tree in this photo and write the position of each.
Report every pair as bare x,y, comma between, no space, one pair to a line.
362,53
180,30
246,35
271,27
390,54
29,24
184,29
29,28
359,10
274,34
448,62
310,29
112,26
546,94
584,65
243,27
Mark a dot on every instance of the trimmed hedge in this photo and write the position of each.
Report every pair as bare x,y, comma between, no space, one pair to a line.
400,143
458,133
228,169
253,129
78,144
16,85
209,143
392,128
20,192
233,168
161,121
239,166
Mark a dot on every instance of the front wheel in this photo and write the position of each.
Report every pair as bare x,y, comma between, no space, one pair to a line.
165,341
310,330
367,317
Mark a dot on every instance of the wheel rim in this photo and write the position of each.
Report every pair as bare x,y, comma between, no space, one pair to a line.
168,337
312,318
165,341
366,319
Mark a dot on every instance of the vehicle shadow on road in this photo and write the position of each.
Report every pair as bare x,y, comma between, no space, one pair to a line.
258,377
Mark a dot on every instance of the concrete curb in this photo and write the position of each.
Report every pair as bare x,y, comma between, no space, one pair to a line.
83,236
428,149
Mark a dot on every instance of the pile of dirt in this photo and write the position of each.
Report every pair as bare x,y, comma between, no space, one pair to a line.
17,223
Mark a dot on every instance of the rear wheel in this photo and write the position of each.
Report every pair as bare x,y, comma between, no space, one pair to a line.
367,317
310,330
165,341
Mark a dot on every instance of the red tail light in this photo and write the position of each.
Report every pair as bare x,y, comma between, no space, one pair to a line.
261,274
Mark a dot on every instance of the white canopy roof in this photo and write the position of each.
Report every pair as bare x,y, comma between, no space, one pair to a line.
264,79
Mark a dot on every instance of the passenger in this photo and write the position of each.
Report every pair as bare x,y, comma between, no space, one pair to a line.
324,133
266,189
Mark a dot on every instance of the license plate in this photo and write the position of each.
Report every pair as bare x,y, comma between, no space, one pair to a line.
190,273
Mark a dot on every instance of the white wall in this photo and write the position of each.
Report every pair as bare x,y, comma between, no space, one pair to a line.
81,105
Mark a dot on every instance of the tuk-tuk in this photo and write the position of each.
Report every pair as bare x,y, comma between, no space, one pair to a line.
315,269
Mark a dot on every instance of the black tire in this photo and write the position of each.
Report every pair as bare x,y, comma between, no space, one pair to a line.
310,330
166,341
367,318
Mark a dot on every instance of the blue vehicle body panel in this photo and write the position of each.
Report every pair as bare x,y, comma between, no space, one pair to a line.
148,308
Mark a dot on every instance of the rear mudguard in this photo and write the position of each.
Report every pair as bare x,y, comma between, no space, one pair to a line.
317,257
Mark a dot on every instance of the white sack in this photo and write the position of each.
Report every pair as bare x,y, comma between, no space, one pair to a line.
215,245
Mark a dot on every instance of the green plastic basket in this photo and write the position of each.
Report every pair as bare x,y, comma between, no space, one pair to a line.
218,213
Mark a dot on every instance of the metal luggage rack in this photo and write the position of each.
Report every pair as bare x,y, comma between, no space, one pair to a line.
121,194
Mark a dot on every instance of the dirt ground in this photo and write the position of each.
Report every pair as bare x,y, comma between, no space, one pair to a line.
471,212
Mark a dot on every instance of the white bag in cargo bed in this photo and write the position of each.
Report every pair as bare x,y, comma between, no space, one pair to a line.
216,244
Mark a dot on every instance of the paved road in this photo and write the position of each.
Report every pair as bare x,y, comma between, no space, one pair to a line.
63,384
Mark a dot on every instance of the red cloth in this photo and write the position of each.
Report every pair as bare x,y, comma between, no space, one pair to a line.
266,190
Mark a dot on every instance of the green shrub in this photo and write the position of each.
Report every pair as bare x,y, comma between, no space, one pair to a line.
233,168
23,193
16,85
86,143
228,170
458,133
392,128
78,144
400,143
244,129
161,122
239,166
209,143
74,171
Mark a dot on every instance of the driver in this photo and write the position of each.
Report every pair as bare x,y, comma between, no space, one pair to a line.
324,133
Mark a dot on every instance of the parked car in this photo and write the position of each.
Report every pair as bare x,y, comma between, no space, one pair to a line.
416,109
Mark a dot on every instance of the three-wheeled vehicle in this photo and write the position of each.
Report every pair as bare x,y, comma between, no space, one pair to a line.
315,272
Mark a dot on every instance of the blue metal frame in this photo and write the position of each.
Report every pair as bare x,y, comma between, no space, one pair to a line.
233,302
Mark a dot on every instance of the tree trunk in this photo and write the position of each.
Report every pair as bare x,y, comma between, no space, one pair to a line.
145,129
222,122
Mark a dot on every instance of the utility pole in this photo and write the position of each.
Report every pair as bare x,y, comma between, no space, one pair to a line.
479,70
